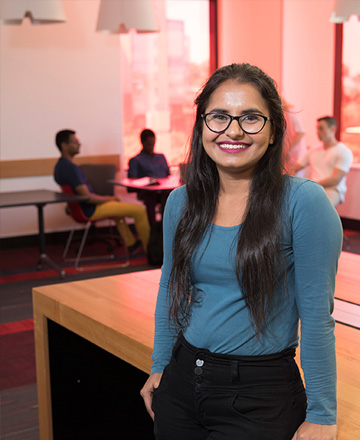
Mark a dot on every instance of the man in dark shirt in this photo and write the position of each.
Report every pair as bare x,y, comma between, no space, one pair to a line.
149,164
97,206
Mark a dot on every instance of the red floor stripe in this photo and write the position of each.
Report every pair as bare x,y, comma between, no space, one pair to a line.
16,327
349,233
28,276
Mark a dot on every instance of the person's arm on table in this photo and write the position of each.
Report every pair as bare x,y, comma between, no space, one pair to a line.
334,179
341,168
166,166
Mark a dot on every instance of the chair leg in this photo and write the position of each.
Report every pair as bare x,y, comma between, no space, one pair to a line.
112,239
82,244
68,243
78,258
346,243
127,261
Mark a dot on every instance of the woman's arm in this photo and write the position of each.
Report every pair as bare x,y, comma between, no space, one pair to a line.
312,431
165,332
317,239
147,391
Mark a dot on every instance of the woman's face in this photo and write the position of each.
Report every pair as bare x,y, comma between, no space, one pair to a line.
233,150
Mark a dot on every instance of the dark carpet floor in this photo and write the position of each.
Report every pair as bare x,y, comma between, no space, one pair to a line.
18,275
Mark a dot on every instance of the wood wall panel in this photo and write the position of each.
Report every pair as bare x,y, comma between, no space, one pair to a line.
45,167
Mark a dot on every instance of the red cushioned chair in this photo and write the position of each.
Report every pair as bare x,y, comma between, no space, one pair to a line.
75,211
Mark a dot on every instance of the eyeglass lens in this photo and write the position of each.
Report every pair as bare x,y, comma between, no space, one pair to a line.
250,123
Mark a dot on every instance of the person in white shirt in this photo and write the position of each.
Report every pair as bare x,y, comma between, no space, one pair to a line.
329,162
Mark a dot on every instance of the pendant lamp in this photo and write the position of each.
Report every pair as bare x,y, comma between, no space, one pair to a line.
119,16
343,9
38,11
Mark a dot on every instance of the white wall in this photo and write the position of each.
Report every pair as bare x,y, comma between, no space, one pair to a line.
54,77
292,41
308,61
250,32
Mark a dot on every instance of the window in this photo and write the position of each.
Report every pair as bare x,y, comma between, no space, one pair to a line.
160,76
350,100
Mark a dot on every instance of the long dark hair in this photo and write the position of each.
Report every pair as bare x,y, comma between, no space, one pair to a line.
258,250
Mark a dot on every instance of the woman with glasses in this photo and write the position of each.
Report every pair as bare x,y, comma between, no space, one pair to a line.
248,251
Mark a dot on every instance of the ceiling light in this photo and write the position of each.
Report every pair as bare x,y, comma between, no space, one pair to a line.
119,16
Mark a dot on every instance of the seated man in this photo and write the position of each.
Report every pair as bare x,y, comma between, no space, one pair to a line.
97,207
329,162
149,164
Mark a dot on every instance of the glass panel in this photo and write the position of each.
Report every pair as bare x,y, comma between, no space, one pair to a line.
160,76
350,104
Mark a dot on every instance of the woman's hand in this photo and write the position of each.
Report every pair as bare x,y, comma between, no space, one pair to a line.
148,389
312,431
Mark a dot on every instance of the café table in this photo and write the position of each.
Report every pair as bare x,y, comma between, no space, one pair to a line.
162,185
39,198
150,183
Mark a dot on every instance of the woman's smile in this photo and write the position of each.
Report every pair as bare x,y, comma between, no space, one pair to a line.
233,147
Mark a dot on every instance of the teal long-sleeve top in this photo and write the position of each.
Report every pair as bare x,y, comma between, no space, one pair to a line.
220,320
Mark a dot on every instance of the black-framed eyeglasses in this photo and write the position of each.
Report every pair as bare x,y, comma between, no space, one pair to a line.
250,123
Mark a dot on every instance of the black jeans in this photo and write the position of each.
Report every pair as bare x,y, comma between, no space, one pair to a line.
204,395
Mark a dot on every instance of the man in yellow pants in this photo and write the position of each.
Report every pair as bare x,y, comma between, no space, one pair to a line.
97,206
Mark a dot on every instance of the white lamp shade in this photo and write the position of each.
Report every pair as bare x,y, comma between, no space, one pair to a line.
343,9
119,16
39,11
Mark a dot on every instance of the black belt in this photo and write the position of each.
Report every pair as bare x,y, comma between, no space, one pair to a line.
221,369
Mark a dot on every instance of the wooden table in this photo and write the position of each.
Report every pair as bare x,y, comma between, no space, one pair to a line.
114,313
39,198
117,314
